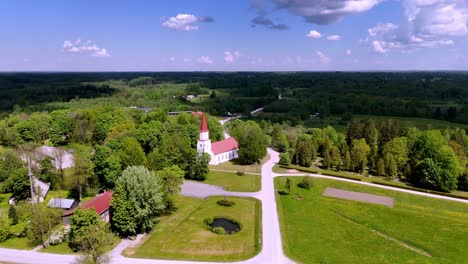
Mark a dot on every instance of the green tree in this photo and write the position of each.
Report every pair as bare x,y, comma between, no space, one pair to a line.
89,235
287,185
381,167
12,215
83,168
347,160
144,191
390,165
132,153
435,163
284,159
43,221
353,131
4,229
305,151
61,128
198,168
107,166
398,148
359,154
172,177
252,142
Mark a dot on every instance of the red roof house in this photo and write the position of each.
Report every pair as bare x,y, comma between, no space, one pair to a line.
100,203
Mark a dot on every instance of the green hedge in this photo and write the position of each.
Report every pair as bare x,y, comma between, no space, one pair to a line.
420,190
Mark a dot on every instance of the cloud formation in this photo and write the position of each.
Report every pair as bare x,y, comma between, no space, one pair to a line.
88,47
319,11
268,23
428,23
323,58
185,22
314,34
230,57
205,60
334,37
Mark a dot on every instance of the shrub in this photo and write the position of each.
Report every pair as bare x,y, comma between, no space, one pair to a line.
208,222
284,159
305,183
240,173
13,215
225,203
4,229
219,230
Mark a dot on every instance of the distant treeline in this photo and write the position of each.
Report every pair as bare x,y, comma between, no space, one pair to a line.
439,95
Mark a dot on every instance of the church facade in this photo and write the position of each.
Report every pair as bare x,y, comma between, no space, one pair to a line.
220,151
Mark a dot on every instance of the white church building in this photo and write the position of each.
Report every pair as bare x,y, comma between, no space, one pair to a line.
220,151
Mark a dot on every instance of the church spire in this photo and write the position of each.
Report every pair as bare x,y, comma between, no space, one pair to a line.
204,124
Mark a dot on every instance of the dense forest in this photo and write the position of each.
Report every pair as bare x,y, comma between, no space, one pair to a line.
285,96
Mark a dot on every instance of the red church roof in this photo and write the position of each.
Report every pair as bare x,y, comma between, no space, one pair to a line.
204,124
224,146
100,202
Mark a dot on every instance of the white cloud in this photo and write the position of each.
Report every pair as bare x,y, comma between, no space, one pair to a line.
318,11
334,37
205,60
185,22
314,34
348,52
230,57
381,28
378,47
101,53
427,24
86,48
323,58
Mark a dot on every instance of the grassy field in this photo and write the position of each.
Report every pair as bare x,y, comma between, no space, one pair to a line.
17,243
234,166
372,179
234,183
181,235
316,229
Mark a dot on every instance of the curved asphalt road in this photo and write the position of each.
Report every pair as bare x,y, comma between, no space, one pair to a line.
272,251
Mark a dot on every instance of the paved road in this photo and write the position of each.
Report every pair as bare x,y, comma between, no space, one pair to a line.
203,190
272,251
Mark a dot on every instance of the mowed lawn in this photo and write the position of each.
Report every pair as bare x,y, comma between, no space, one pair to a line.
182,235
233,182
233,165
316,229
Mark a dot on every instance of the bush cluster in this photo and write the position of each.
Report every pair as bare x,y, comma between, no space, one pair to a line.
225,203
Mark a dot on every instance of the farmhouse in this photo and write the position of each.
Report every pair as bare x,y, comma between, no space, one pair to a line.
100,203
220,151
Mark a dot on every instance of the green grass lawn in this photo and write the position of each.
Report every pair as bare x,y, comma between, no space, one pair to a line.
234,183
63,248
17,243
372,179
181,235
316,229
234,166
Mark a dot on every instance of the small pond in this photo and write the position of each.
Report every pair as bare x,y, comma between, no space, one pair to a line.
229,225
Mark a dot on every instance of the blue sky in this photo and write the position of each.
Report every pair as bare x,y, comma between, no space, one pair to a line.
232,35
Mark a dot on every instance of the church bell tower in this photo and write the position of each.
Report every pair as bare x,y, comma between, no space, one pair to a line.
204,142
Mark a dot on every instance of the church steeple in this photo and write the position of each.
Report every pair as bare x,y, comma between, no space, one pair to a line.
204,124
204,142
